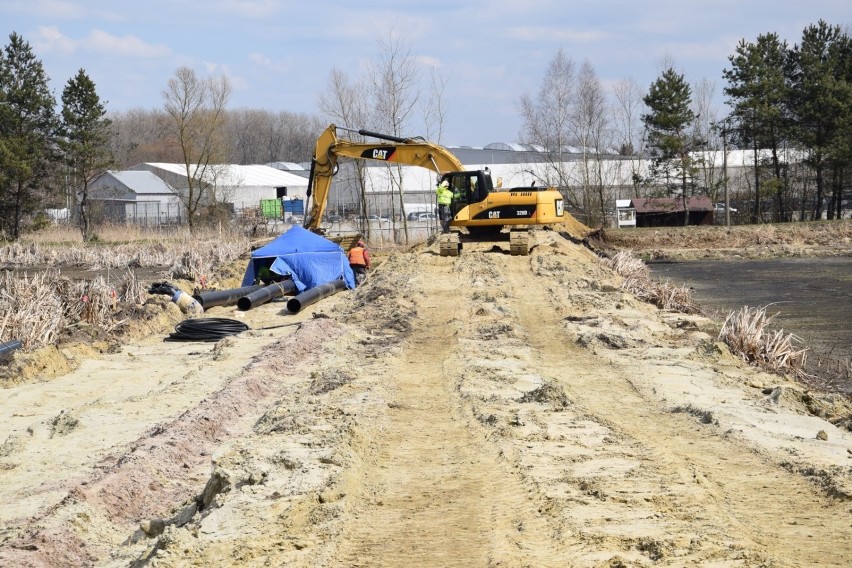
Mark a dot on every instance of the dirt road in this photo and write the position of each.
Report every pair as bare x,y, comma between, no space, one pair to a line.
485,410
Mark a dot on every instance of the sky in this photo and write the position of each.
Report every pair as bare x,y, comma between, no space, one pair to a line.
279,54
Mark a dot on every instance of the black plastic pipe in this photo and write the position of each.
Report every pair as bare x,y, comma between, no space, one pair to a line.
308,297
265,294
7,347
224,297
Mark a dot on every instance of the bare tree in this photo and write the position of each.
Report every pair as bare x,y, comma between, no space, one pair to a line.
394,89
547,122
294,136
591,126
260,136
627,114
246,132
196,108
139,135
345,102
435,106
706,135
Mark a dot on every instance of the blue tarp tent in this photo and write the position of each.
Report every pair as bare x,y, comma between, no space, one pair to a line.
309,258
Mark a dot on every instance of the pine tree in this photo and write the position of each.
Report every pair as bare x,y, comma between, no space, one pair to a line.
758,94
821,101
85,141
27,135
668,130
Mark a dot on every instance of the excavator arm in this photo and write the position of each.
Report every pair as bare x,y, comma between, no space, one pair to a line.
408,151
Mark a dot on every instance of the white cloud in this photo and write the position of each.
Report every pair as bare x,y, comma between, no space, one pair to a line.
49,39
428,61
126,46
376,26
216,68
261,61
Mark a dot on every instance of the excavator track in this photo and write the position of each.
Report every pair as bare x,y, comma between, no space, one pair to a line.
448,244
519,243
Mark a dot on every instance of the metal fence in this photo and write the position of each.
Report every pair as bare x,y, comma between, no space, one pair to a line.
145,213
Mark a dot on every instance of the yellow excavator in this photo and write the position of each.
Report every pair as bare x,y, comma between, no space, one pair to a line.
480,212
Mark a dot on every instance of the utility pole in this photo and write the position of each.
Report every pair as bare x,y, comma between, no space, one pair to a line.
725,171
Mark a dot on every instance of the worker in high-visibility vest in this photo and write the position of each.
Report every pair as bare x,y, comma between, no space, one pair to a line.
359,261
445,198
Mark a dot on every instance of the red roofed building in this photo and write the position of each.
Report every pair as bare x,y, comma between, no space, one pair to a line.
669,211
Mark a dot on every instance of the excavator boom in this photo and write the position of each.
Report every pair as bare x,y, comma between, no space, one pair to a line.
408,151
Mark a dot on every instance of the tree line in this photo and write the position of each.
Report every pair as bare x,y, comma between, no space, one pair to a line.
49,156
790,107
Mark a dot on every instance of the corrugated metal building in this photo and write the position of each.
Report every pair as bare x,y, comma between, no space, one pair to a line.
134,197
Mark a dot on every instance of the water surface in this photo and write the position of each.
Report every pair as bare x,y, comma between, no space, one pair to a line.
812,295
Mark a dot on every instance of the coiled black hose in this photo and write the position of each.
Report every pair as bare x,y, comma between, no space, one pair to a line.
206,329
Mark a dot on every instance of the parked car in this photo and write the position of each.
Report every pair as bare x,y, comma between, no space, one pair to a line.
426,216
720,208
373,219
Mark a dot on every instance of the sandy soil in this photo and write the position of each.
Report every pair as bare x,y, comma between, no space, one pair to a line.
485,410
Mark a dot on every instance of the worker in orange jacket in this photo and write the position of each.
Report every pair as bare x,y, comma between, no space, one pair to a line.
359,260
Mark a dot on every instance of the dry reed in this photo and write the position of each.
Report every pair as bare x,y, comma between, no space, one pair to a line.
831,234
182,255
37,309
31,309
746,333
638,281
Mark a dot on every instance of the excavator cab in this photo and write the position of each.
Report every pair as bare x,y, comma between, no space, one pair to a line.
468,187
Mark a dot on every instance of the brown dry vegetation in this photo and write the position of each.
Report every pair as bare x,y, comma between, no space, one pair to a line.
47,310
746,332
64,299
58,294
812,239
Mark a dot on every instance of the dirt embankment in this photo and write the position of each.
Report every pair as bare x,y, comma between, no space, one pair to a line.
483,410
780,240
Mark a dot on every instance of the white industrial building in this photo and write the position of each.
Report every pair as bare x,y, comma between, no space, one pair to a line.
241,186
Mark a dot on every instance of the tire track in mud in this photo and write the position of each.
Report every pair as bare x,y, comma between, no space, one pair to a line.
432,490
589,471
638,481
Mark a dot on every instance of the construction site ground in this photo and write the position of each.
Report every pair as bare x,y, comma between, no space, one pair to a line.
480,410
